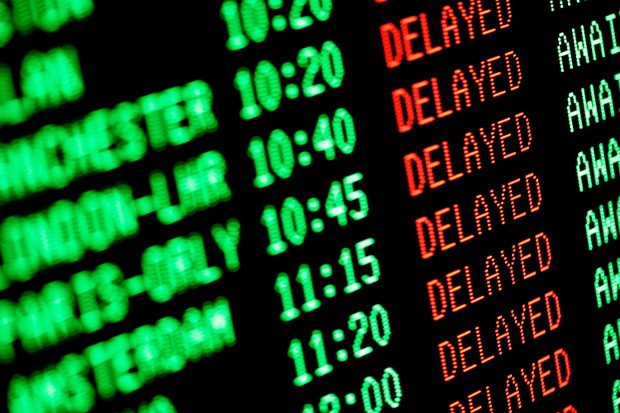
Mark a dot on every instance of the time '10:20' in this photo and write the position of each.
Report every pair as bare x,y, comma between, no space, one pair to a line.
263,90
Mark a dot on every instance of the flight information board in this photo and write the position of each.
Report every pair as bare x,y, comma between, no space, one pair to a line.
309,206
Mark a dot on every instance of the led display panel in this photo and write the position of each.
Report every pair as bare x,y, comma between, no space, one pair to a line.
311,206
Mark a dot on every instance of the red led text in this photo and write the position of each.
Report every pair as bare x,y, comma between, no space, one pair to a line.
459,289
435,165
540,376
546,375
491,78
446,228
532,320
474,403
411,36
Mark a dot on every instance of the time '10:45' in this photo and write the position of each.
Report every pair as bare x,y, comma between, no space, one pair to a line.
293,215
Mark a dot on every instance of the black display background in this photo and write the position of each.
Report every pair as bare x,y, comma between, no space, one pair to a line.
127,51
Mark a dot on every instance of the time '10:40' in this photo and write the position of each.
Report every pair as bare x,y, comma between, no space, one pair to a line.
328,135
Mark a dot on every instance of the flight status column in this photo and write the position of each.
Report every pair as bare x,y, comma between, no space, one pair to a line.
479,235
